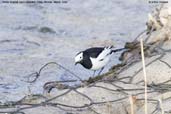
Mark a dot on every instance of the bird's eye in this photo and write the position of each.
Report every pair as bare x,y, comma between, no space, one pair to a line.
80,57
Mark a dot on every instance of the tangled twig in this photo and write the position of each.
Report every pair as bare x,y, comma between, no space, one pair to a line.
36,75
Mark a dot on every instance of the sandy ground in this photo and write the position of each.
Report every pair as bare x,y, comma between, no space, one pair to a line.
33,34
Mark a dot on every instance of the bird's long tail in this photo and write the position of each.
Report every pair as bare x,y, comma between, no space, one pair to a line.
116,50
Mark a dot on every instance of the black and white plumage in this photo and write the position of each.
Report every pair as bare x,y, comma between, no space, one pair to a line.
95,58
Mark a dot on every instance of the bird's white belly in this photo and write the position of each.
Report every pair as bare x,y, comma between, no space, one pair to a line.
96,64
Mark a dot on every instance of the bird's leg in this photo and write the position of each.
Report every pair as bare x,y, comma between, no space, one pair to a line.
100,70
94,73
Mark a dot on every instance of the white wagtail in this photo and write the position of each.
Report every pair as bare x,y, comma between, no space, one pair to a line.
95,58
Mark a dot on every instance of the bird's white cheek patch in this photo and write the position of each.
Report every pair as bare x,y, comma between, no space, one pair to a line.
79,57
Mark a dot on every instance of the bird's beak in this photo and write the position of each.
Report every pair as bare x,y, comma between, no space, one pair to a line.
76,63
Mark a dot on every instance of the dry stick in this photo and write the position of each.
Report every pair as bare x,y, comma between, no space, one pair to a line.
161,106
145,76
140,34
158,58
132,104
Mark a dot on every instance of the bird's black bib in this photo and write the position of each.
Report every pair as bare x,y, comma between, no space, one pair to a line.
86,62
91,52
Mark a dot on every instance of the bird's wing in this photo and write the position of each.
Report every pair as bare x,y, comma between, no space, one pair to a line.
106,52
94,52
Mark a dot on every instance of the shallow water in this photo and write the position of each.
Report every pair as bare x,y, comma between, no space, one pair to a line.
33,34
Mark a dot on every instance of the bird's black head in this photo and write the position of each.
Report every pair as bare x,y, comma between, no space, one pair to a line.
79,58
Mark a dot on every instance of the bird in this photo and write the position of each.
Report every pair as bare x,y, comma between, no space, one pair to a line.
95,58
